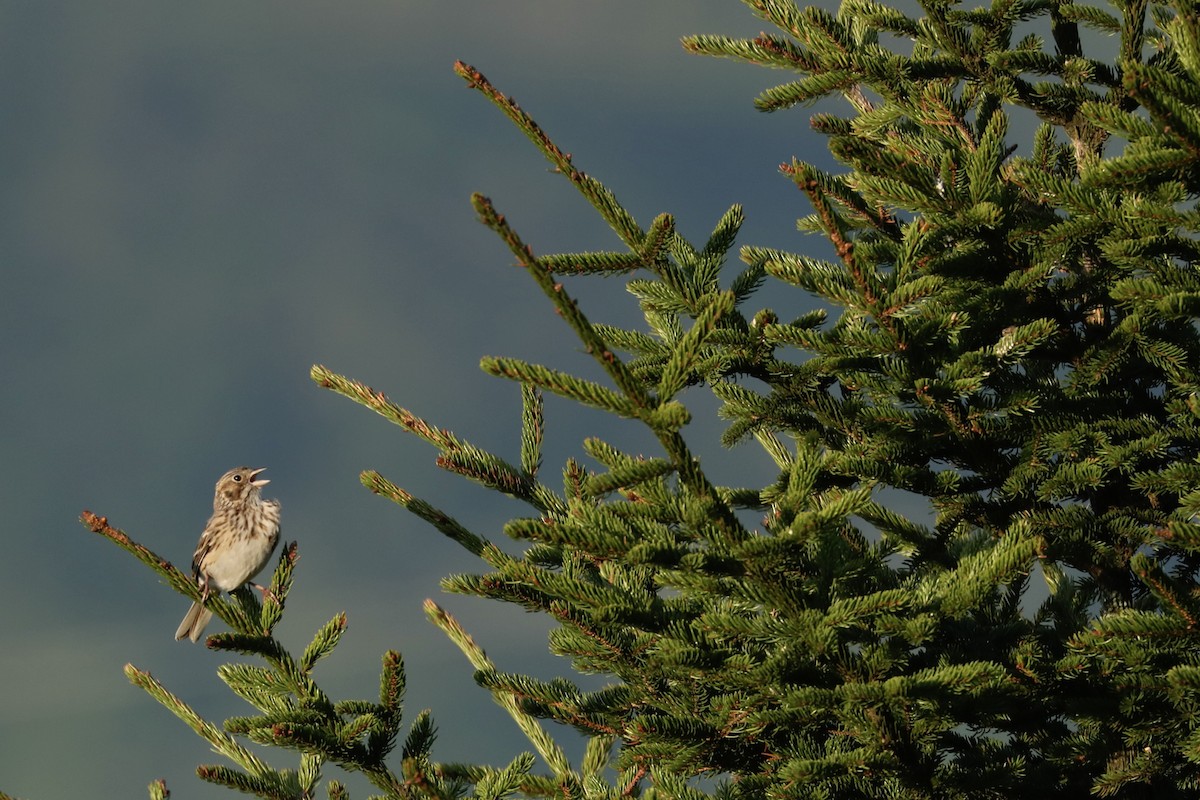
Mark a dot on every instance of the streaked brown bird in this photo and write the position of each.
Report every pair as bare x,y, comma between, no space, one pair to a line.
238,540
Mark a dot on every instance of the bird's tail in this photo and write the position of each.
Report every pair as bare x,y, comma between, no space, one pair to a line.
194,622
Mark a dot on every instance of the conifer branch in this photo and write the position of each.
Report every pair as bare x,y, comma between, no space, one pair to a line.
244,614
600,197
441,521
564,385
565,306
550,752
179,581
593,263
222,742
378,402
831,221
677,372
456,456
668,419
533,426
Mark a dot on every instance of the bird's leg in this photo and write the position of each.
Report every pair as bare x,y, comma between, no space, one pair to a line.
265,591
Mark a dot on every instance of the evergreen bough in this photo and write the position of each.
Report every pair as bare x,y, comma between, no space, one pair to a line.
1013,340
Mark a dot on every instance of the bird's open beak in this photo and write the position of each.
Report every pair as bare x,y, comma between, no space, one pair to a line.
254,474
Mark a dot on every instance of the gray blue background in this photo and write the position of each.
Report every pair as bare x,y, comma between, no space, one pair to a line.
199,201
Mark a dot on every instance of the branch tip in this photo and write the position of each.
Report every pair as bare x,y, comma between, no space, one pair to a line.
94,522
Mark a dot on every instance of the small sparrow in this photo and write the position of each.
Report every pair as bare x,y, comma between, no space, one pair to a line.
238,540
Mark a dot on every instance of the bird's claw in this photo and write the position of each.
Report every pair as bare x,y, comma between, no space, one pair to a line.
266,592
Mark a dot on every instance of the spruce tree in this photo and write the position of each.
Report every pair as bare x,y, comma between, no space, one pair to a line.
1009,333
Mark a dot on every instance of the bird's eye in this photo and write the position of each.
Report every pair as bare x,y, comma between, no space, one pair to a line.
237,478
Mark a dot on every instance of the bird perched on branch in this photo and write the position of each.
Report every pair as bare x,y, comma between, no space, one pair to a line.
238,540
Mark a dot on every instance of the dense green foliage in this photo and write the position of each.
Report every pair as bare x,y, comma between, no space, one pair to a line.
1012,338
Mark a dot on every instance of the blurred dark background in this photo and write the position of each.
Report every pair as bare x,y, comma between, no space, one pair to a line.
200,200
